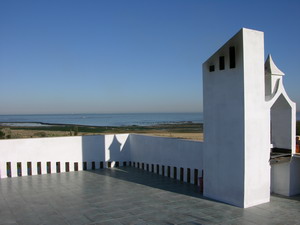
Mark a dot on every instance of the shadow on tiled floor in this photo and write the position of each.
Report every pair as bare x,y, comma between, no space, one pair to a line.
142,177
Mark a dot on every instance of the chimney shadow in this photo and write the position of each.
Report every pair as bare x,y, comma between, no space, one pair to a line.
117,151
100,151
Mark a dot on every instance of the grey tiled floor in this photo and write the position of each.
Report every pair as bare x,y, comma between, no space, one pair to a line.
126,196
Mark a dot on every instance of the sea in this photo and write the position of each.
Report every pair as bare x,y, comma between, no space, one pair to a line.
121,119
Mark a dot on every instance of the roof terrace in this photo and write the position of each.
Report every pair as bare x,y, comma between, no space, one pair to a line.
126,195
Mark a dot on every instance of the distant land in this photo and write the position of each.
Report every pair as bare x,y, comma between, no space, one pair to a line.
192,131
173,125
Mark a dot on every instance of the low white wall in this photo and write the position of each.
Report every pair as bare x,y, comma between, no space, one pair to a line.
102,148
62,149
285,177
167,152
280,178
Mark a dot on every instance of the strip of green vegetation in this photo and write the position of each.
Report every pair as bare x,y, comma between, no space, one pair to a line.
180,128
63,128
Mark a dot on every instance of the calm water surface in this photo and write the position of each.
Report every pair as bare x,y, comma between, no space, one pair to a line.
140,119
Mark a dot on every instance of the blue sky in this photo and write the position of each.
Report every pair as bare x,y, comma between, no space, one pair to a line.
120,56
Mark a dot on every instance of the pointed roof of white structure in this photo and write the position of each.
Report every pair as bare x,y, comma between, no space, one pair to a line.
271,67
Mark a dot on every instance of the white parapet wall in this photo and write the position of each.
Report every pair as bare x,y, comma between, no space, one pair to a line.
184,155
72,150
181,156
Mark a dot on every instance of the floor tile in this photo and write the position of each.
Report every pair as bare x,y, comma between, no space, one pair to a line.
127,196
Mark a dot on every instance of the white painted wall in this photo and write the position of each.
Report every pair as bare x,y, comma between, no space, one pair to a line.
257,121
281,114
105,148
61,149
283,118
285,177
223,98
280,178
236,124
168,152
117,148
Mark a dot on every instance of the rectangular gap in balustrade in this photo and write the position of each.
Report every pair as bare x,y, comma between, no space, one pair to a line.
152,168
124,163
169,171
29,169
84,166
143,166
201,182
117,164
101,165
181,174
133,164
163,170
108,164
19,169
75,166
8,169
67,167
39,168
57,167
138,165
129,163
196,176
157,168
175,172
188,176
147,167
48,167
93,165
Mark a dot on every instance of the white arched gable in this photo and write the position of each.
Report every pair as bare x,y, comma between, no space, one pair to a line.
282,108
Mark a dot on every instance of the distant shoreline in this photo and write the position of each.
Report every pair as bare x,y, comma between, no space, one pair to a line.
33,124
184,130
